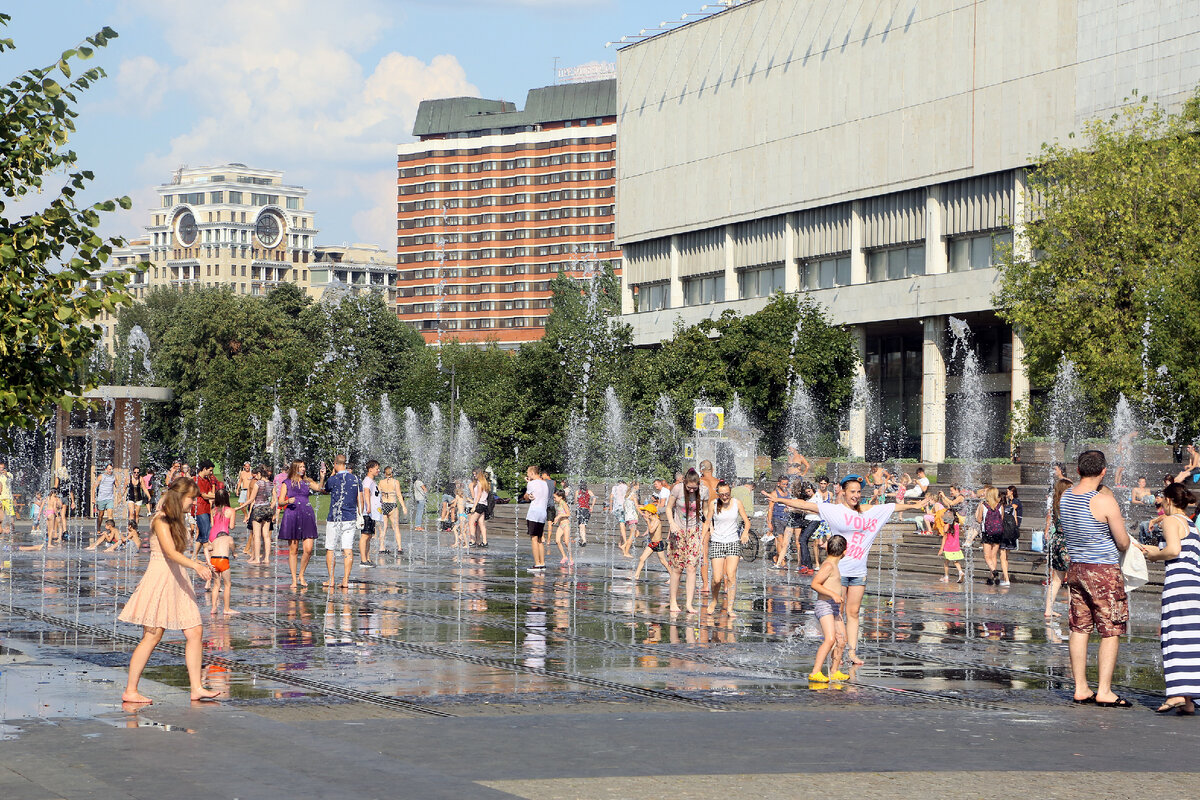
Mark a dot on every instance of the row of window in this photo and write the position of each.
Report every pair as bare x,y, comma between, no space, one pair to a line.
515,147
476,324
506,235
512,163
968,253
192,272
475,255
235,251
551,267
481,305
491,183
375,279
509,217
507,200
235,198
235,217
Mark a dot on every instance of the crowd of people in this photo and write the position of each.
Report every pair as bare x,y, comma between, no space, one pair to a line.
695,526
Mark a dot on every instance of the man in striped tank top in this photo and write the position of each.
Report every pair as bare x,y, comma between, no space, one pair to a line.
1095,535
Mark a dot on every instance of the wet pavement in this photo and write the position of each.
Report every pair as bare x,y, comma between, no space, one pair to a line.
477,647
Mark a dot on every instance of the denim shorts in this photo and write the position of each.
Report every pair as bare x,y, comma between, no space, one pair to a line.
854,581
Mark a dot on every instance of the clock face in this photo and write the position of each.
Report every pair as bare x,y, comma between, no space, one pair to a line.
268,230
185,229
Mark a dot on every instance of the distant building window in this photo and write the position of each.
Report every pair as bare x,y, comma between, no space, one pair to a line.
216,197
902,262
264,199
701,291
168,200
826,273
293,203
653,296
976,252
217,179
235,197
760,282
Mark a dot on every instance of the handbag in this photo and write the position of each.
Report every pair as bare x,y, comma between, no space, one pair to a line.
1038,543
1134,569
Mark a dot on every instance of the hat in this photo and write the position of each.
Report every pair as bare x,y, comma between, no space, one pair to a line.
649,508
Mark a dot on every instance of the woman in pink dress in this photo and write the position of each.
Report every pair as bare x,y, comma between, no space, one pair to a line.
164,599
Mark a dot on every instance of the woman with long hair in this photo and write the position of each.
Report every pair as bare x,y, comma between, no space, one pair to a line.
990,516
685,515
723,544
481,488
299,523
1057,560
1180,550
259,512
135,496
859,526
164,599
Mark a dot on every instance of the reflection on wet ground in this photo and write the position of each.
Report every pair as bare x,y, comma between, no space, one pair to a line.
440,627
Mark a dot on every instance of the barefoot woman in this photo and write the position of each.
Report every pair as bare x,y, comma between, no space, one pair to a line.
299,524
164,599
859,526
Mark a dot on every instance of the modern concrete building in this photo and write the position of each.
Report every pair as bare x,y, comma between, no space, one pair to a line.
515,197
356,267
871,154
231,225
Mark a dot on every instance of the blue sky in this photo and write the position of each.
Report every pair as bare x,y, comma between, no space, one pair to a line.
322,89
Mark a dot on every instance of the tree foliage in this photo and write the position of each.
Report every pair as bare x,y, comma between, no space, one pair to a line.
1113,273
48,295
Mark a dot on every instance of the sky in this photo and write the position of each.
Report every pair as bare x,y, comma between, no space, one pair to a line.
321,89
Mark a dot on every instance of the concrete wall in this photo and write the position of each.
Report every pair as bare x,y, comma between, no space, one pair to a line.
780,105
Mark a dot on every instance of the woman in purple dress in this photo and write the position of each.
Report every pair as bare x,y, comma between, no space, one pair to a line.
299,523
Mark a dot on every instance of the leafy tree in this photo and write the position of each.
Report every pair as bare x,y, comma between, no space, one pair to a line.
48,296
1113,273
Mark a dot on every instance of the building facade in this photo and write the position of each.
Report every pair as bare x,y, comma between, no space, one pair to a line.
231,225
354,267
874,157
136,251
493,202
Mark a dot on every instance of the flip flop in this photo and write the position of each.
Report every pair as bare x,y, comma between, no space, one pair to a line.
1087,701
1166,708
1120,702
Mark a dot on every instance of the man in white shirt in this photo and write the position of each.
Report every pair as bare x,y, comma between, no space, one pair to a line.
535,521
919,486
616,506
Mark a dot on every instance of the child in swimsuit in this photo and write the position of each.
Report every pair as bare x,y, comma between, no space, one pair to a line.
827,584
654,540
222,547
461,513
562,527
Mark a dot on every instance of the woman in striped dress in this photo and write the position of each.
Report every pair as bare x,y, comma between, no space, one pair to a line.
1180,601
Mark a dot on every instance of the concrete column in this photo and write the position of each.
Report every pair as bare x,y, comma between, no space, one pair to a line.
858,258
676,289
858,416
1021,249
626,289
933,390
1018,404
936,260
731,284
791,265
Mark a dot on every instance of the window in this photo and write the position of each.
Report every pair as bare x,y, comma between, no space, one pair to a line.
264,199
168,200
652,296
903,262
293,203
235,197
976,252
826,273
216,179
701,291
760,282
216,197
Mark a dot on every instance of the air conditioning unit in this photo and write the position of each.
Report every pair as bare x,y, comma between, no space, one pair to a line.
709,419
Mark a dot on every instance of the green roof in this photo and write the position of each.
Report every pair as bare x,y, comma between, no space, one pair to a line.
548,104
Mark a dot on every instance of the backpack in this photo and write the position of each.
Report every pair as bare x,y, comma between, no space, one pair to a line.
1012,531
993,521
490,510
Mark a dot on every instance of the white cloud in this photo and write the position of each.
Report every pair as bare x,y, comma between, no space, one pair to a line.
141,83
278,84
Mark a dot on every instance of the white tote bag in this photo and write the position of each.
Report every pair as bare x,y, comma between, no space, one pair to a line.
1134,569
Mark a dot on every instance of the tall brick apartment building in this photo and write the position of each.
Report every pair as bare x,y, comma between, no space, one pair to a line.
493,202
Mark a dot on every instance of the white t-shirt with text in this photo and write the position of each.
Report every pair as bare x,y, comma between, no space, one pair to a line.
859,529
